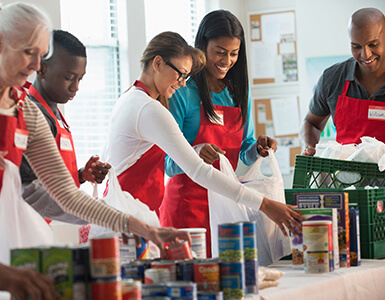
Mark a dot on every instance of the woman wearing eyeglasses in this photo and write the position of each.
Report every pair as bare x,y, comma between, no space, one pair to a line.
142,130
213,112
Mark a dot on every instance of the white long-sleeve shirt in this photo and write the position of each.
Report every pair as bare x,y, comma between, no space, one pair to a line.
138,122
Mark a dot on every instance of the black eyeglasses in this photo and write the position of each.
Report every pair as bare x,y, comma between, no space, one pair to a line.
182,76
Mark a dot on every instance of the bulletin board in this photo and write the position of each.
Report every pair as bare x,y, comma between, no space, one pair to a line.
273,47
279,118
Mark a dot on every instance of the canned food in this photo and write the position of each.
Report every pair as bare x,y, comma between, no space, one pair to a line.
156,275
179,251
153,290
198,241
182,289
233,280
317,236
105,258
128,251
251,257
111,290
133,270
218,295
207,274
185,270
251,275
131,290
166,264
230,242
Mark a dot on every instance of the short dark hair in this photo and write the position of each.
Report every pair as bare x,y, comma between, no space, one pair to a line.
69,43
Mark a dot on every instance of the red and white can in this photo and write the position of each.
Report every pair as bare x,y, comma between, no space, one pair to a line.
155,276
198,244
131,289
111,290
207,275
179,251
166,264
105,258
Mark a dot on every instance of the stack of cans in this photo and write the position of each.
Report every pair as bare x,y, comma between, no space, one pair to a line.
231,256
105,268
251,256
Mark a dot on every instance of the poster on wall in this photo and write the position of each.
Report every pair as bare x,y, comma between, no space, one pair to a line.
273,47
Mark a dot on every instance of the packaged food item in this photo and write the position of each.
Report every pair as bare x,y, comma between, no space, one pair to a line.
185,290
207,274
317,237
166,264
156,276
230,242
131,289
233,280
355,247
179,251
198,244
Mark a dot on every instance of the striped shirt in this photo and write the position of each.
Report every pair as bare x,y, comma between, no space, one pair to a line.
45,160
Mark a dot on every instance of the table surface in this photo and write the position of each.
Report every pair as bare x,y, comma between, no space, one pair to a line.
363,282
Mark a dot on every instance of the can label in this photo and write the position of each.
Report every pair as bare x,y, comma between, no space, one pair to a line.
131,290
182,289
156,275
230,242
169,265
105,258
179,251
207,275
143,250
185,270
127,252
251,275
233,280
153,290
317,237
210,295
250,241
111,290
133,270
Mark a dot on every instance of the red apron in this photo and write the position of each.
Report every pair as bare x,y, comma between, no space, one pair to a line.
63,138
145,179
355,118
14,135
185,203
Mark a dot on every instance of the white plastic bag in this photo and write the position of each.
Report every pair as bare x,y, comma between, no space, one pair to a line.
125,202
272,244
20,225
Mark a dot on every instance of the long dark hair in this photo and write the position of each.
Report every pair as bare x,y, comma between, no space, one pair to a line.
216,24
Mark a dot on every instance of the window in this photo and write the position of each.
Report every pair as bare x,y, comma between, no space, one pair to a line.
88,114
182,16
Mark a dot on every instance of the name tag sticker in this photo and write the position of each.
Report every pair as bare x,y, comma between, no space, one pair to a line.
219,119
21,138
376,112
65,142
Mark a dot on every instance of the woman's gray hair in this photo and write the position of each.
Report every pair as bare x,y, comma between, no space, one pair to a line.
17,18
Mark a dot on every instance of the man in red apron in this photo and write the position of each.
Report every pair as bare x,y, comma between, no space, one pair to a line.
352,92
57,82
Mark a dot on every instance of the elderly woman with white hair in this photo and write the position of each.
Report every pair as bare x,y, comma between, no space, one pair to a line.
24,40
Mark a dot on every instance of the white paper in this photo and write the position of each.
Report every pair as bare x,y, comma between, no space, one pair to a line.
286,48
263,60
275,25
261,108
285,116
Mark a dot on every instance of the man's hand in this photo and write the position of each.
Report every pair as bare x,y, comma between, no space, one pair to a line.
94,171
264,143
209,153
309,151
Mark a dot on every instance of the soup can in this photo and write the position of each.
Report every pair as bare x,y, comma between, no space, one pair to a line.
185,290
166,264
131,290
207,274
230,242
105,258
198,244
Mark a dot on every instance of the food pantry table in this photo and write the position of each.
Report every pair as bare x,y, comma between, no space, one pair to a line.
364,282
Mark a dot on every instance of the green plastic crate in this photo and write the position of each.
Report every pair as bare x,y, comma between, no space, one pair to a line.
372,223
317,172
